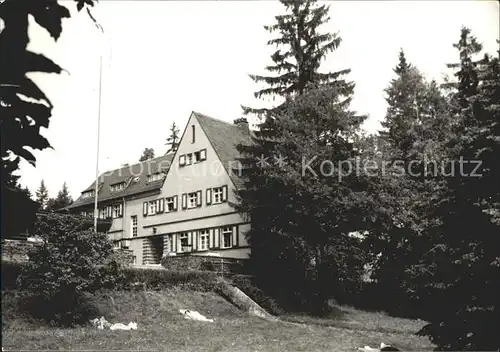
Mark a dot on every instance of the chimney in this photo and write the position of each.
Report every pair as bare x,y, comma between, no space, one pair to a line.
242,123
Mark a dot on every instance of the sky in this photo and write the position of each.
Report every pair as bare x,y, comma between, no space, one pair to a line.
163,59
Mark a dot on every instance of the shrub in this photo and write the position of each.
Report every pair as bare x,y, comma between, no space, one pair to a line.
10,273
71,262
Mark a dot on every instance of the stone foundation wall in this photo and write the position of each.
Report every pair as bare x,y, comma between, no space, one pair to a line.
191,262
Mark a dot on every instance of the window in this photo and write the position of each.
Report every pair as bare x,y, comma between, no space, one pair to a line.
192,131
134,260
117,210
102,213
184,242
117,187
116,244
189,159
88,194
227,237
194,199
203,154
182,160
156,177
152,208
197,156
133,219
217,195
171,204
203,240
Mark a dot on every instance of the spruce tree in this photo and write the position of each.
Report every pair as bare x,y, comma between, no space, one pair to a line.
301,48
302,216
173,139
403,96
298,254
417,127
460,272
62,200
42,195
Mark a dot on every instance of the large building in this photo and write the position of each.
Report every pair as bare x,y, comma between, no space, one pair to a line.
180,202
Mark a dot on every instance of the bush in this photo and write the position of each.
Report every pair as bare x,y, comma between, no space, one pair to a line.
10,273
69,264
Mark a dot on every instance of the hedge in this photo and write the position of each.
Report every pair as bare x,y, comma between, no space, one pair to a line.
134,278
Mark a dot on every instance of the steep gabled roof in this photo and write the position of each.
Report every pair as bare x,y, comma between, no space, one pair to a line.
134,176
224,137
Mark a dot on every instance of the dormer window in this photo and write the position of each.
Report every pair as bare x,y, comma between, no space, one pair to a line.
117,187
88,194
156,177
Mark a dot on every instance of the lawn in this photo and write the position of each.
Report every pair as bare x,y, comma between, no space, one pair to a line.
162,327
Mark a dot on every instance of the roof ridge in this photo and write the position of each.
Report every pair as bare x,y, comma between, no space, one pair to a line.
213,118
131,165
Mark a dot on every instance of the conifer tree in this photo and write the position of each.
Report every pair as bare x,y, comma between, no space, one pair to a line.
302,216
16,200
62,200
173,139
403,96
460,271
301,50
42,195
417,126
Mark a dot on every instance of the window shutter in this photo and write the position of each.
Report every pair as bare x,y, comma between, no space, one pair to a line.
209,196
109,211
216,238
210,238
203,154
162,205
175,203
184,201
198,199
224,193
234,240
182,160
120,212
145,209
195,240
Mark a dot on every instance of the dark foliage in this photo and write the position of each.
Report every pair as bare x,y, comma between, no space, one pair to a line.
24,108
173,139
15,200
147,154
62,200
42,195
71,261
460,268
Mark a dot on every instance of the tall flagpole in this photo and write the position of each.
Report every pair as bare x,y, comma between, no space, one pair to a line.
97,155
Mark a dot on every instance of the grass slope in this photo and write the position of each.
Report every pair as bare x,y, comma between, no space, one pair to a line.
161,327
